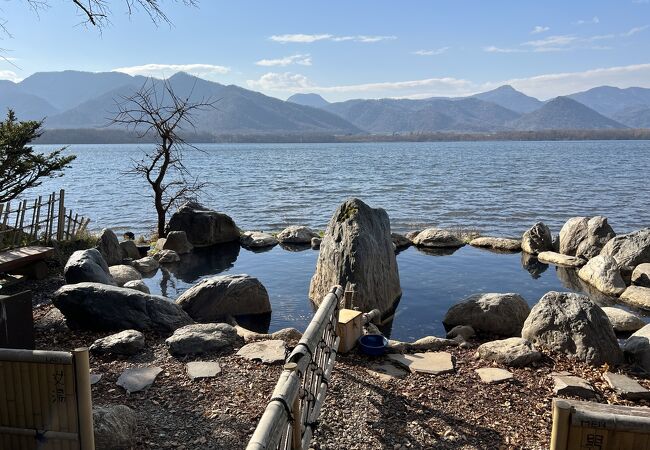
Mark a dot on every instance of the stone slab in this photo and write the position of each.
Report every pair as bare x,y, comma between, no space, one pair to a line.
626,387
492,375
573,386
386,371
268,352
138,378
435,363
203,369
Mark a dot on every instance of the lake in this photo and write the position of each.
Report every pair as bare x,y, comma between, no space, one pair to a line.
496,188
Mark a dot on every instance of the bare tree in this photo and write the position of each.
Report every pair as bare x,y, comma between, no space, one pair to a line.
156,109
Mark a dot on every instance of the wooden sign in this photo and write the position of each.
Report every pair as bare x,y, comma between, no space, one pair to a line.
594,426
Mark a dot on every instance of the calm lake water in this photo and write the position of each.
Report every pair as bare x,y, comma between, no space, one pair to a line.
496,188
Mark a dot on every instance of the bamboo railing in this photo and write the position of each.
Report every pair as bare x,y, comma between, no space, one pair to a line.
39,221
290,417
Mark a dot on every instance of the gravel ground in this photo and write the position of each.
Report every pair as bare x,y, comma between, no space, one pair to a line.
362,411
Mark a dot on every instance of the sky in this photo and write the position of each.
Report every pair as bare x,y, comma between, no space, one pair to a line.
347,49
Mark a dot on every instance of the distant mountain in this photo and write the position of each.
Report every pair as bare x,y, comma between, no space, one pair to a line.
423,116
237,110
510,98
609,101
563,113
313,100
634,116
70,88
26,106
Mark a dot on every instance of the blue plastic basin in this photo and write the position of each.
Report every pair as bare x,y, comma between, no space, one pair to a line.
373,344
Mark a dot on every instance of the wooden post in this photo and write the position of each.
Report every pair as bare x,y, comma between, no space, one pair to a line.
296,426
38,217
347,304
61,223
84,399
560,431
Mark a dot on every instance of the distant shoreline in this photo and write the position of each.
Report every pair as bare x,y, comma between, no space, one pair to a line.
112,136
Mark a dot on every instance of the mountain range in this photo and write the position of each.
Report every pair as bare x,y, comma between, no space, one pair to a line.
84,100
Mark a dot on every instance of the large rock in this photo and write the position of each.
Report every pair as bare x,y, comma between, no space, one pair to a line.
147,264
572,324
87,266
202,338
115,427
500,314
203,226
537,239
641,275
400,240
227,295
358,249
257,239
122,274
109,247
623,321
130,250
629,250
167,257
513,352
637,296
178,242
102,307
572,234
127,342
138,285
599,233
497,243
561,259
637,348
602,273
437,238
296,235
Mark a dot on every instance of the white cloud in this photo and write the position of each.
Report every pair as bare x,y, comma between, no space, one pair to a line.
167,70
634,30
436,51
493,49
309,38
551,42
541,86
539,29
9,75
594,20
302,60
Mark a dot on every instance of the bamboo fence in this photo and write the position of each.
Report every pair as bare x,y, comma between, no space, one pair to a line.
42,220
291,416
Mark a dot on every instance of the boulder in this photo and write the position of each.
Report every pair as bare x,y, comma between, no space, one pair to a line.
537,239
127,342
177,241
623,321
167,257
598,234
145,265
115,427
637,348
500,314
411,235
427,343
560,259
138,285
87,266
513,352
160,243
637,296
463,331
203,226
130,250
202,338
315,243
572,234
296,235
123,274
641,275
497,243
102,307
629,250
572,324
357,249
226,295
256,239
437,238
268,352
400,240
109,247
602,273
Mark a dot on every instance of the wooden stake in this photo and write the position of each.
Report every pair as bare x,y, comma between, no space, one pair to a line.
84,399
560,431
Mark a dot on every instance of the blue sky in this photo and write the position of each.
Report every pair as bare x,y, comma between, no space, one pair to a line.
349,49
